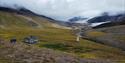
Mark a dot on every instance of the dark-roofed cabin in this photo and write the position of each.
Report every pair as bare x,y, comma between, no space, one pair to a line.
31,40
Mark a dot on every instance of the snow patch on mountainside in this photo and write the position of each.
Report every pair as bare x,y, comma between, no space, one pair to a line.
96,24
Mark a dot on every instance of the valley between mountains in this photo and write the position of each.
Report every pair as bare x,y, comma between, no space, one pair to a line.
57,43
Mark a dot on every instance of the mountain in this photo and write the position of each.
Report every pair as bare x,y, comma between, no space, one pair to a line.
110,24
106,17
25,18
22,11
75,19
57,42
106,20
111,21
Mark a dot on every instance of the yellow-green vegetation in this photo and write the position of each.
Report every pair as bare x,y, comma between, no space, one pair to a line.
122,38
54,38
95,33
117,32
63,40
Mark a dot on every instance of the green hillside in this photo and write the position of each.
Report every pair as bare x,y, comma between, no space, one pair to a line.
15,20
57,38
117,31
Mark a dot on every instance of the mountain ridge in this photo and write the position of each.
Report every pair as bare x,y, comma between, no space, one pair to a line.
22,11
30,18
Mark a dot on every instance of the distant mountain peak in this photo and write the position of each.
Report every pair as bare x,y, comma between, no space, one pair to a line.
78,18
106,17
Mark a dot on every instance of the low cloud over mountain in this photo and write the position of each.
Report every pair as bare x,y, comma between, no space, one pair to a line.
65,9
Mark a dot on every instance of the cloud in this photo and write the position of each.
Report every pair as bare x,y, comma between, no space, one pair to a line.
65,9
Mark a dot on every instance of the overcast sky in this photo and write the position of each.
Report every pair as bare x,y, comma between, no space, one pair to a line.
65,9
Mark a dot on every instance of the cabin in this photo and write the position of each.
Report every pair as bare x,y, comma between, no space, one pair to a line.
30,40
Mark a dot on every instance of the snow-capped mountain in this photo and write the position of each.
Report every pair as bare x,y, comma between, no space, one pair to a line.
95,21
105,18
99,20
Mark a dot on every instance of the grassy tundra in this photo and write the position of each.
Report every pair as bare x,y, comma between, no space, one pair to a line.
55,38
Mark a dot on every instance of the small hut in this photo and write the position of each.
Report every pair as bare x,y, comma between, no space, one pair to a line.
31,40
